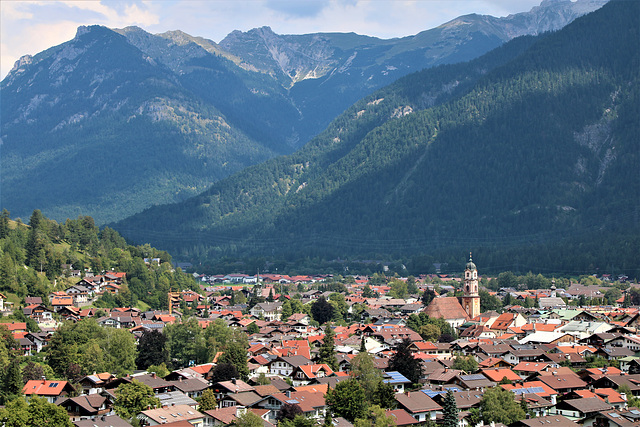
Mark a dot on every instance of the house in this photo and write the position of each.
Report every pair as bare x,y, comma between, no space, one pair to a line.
303,318
80,294
192,387
562,383
536,405
419,405
506,321
61,300
401,417
498,375
111,287
547,421
234,386
92,384
284,365
154,417
152,380
304,374
577,409
85,406
465,400
270,311
614,418
396,379
38,312
473,382
312,403
583,329
50,390
103,421
243,399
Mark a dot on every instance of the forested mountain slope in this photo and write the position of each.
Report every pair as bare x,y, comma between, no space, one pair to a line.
114,121
531,143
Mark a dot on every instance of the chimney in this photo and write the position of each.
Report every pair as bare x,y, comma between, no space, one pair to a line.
153,375
233,380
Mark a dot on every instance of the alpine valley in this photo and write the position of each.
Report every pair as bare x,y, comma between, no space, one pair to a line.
118,120
529,155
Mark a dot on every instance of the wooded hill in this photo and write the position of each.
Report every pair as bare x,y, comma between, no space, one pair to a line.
522,151
32,260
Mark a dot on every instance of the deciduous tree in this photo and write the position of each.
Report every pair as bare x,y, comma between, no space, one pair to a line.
133,397
152,349
208,400
347,400
498,405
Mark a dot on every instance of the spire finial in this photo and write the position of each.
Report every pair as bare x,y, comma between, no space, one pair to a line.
469,255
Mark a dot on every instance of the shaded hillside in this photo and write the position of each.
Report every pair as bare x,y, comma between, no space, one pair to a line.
115,121
531,143
96,127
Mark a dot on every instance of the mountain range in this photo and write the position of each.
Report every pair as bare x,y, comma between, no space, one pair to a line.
528,154
118,120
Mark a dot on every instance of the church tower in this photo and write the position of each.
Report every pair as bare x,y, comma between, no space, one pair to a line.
471,298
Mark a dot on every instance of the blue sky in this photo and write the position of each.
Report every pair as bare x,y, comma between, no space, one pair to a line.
29,27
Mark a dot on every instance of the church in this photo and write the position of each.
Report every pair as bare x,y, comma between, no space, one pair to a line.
454,310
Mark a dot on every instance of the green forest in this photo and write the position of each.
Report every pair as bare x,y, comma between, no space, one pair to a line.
33,256
528,156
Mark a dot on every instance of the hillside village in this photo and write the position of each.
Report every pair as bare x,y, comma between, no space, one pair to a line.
561,363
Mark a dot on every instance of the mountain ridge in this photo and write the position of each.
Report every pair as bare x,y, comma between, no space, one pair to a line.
177,113
533,143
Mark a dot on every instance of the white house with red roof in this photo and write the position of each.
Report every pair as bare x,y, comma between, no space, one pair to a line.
50,390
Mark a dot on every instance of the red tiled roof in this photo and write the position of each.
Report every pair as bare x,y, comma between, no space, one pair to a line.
498,374
446,308
44,388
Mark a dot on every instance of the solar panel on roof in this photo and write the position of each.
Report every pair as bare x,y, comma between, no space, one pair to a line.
473,377
432,393
536,390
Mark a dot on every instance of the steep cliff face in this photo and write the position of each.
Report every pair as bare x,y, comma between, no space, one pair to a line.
294,58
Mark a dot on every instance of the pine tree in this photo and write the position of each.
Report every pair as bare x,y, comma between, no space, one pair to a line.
4,224
12,381
450,410
327,353
404,362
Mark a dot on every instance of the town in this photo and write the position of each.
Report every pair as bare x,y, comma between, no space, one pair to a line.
451,350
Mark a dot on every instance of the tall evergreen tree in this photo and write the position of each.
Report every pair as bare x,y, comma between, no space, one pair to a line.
450,410
4,224
327,353
12,381
404,362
